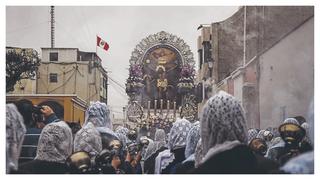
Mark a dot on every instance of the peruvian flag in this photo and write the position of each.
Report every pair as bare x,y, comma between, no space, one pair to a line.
101,43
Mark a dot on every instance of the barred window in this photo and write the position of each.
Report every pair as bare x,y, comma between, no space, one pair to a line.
53,77
53,56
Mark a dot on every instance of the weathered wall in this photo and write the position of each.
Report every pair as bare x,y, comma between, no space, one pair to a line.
287,76
238,84
251,95
265,25
230,45
262,89
73,78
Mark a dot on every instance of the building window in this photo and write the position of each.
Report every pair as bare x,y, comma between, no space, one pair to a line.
104,83
53,77
207,51
53,56
200,58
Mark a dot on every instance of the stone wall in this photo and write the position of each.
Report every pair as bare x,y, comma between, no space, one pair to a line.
278,47
286,85
265,26
230,45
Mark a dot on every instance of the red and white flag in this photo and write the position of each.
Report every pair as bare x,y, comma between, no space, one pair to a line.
101,43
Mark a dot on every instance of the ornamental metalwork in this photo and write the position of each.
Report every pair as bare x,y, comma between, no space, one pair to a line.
158,39
135,81
161,81
189,109
134,112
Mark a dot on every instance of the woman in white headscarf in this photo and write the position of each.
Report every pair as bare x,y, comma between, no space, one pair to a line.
304,163
177,144
306,143
123,139
99,115
153,149
15,131
265,135
198,155
224,138
275,149
88,139
292,133
122,130
252,133
54,147
122,134
192,140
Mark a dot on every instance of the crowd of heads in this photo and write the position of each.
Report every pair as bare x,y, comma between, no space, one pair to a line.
290,139
220,142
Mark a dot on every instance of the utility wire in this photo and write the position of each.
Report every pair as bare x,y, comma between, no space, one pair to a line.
122,95
117,90
64,83
116,83
116,77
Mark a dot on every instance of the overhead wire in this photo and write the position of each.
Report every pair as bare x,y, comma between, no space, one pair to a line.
121,95
116,77
117,90
75,71
117,83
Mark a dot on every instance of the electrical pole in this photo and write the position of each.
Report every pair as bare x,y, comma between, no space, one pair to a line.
52,26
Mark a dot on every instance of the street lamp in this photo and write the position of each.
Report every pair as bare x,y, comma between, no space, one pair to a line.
203,25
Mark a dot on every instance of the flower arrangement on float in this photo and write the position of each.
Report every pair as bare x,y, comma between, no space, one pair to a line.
186,81
135,81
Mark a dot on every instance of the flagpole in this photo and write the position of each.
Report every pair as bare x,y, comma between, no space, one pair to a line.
96,44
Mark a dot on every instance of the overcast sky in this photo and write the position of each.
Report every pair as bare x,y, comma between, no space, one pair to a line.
122,27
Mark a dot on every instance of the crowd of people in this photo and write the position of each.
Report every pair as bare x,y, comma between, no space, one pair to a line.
219,143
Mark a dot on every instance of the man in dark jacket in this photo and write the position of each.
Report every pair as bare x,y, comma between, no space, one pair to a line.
30,143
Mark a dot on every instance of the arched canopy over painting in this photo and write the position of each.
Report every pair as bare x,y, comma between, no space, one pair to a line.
161,72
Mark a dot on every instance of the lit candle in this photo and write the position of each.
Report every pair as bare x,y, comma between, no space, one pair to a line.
174,108
155,107
149,108
161,105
